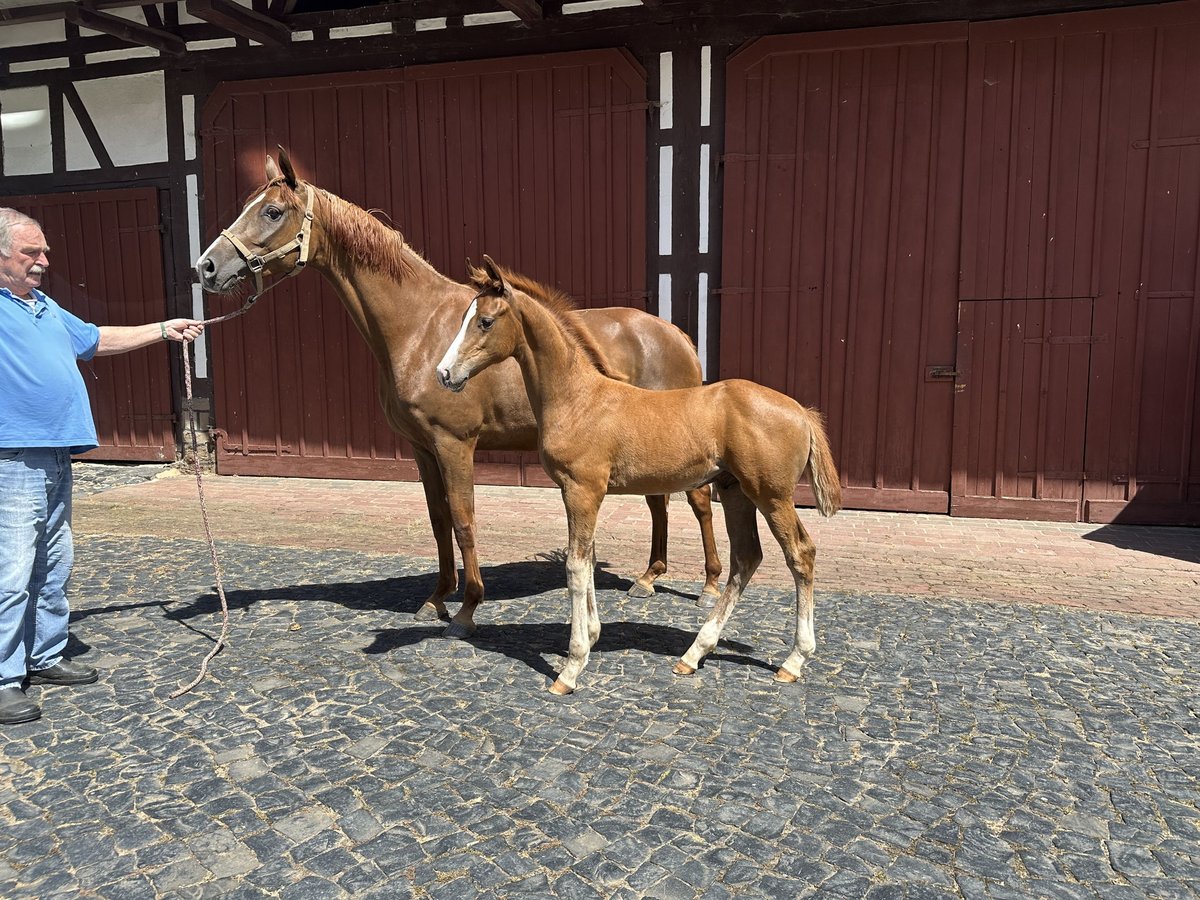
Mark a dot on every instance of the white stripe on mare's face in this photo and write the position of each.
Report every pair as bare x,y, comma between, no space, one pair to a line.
451,357
257,200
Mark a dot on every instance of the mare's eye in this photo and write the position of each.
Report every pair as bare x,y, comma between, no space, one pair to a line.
486,323
274,213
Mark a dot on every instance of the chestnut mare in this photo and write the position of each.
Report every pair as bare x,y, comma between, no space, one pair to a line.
406,310
601,436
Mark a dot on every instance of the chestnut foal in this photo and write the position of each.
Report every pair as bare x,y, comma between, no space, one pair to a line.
598,435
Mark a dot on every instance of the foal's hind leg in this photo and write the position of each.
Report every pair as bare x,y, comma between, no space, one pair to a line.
644,586
745,554
800,553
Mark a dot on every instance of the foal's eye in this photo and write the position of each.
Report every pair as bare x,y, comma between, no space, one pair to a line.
274,213
486,323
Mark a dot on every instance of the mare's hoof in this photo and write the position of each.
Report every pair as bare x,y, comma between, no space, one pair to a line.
707,600
429,613
560,688
783,676
639,591
682,668
457,631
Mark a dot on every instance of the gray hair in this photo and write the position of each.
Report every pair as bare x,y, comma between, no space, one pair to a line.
10,221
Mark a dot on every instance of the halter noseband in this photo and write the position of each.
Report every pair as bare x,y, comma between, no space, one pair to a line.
256,263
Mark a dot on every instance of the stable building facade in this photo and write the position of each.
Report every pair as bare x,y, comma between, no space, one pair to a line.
966,232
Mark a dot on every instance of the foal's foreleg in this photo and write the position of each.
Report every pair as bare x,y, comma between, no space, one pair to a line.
439,521
745,555
583,506
644,586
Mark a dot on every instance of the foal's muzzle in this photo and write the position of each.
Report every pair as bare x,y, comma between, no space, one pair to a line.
446,381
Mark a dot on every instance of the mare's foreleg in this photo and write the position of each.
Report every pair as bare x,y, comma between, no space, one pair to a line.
439,520
745,555
458,472
644,586
701,502
583,506
801,555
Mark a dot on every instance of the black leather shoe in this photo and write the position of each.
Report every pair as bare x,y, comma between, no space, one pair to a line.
64,672
16,708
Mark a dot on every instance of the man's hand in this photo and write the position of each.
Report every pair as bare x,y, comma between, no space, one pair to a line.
182,330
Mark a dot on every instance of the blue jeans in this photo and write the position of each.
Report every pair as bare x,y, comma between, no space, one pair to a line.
36,553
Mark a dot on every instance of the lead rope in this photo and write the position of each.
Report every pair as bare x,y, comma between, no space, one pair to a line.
212,545
255,264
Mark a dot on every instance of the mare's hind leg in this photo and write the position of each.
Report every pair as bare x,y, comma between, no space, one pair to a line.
644,586
583,505
439,520
801,554
701,502
745,554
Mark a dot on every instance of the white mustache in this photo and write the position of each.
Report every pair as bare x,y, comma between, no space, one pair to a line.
37,270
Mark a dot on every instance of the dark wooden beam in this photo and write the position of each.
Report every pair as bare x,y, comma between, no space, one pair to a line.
526,10
241,21
132,32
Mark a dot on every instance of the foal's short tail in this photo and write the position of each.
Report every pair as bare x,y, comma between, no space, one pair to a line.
822,474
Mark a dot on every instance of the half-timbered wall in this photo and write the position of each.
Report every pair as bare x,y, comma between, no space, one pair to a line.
816,246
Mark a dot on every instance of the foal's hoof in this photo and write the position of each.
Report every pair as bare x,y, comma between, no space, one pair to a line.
560,688
682,668
707,600
429,612
783,676
458,631
640,591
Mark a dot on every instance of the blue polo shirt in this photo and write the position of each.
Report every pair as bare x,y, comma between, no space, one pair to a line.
43,400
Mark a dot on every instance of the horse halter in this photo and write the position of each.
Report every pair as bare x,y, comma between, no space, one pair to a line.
256,263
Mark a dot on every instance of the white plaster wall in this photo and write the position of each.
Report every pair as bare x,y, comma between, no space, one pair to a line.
130,113
25,120
32,34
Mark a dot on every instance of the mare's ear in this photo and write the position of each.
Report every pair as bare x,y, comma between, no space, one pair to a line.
289,174
499,283
272,170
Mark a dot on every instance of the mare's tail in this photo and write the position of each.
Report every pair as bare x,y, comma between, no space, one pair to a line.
822,474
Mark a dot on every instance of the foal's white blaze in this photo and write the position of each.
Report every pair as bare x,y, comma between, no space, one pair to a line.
257,200
451,356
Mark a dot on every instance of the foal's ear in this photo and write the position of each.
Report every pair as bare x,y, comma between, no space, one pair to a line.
499,282
289,174
272,170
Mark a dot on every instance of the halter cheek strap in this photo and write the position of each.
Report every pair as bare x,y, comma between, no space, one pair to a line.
256,263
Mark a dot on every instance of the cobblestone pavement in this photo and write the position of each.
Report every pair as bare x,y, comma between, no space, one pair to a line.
935,748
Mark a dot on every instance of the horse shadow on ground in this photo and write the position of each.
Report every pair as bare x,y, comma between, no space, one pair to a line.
527,643
504,582
530,643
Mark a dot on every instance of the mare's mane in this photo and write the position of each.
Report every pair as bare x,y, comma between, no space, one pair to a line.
354,234
556,302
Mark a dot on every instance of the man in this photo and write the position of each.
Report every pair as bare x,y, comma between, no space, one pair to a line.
44,418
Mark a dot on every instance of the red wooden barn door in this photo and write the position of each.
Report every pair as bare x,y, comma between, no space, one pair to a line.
841,231
106,266
1079,331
